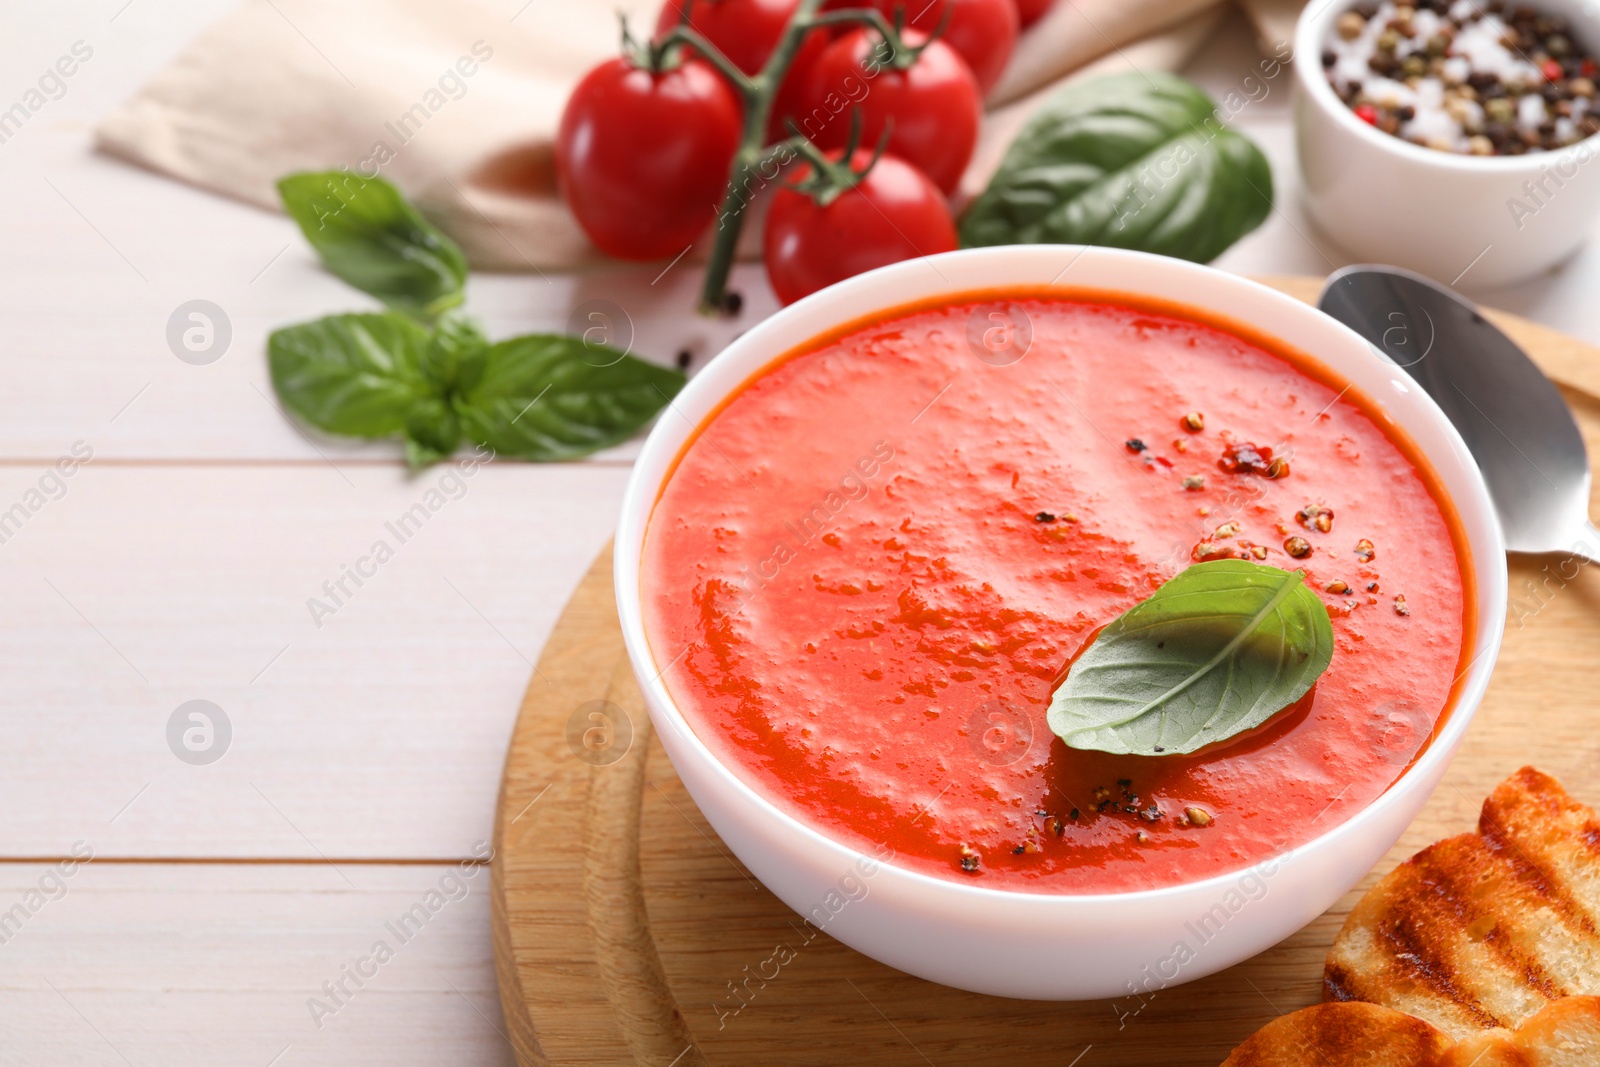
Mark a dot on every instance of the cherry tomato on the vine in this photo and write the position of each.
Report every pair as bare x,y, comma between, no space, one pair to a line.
931,109
643,158
746,31
983,32
893,213
1031,11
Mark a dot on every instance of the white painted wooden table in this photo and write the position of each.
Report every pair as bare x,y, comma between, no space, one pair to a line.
176,565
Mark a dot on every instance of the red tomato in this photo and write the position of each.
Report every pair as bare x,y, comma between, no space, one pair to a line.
983,32
643,158
743,30
933,105
894,213
746,31
1031,11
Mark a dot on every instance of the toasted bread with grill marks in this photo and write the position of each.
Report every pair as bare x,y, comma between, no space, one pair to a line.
1483,930
1565,1033
1342,1035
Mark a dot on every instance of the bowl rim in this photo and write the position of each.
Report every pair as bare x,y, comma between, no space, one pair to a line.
1311,30
642,493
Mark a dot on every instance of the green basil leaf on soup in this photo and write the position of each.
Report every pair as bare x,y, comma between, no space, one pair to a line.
351,374
550,397
1138,161
368,235
1215,652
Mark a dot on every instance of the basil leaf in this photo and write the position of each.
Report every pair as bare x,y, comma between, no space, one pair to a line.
1137,161
350,374
367,234
1216,651
548,397
433,430
453,361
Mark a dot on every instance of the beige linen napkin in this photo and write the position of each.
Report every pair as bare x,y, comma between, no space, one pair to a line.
1075,32
457,103
1275,21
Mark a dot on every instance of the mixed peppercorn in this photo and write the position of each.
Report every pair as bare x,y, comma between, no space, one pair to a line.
1226,542
1122,800
1241,457
1462,76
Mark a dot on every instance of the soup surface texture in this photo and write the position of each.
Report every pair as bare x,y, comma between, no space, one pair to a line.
872,565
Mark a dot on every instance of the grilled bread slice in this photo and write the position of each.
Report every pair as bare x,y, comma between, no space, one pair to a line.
1342,1035
1563,1034
1483,930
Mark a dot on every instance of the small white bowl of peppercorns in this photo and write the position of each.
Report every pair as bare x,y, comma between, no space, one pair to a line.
1454,137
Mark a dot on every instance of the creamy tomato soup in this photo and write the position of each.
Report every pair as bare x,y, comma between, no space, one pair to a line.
873,564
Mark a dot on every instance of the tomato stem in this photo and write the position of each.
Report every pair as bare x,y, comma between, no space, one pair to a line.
756,164
655,57
897,53
829,178
682,34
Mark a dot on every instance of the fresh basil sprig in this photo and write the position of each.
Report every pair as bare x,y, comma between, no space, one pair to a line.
350,374
368,235
556,397
1216,651
426,371
1138,161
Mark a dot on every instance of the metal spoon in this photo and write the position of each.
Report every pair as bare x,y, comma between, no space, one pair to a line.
1510,415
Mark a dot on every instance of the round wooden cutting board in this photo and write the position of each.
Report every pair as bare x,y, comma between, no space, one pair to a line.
626,933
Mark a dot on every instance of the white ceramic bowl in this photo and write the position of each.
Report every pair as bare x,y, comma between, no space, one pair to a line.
1479,220
1027,944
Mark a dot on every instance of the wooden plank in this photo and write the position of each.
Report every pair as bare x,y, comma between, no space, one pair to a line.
91,359
378,734
209,963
